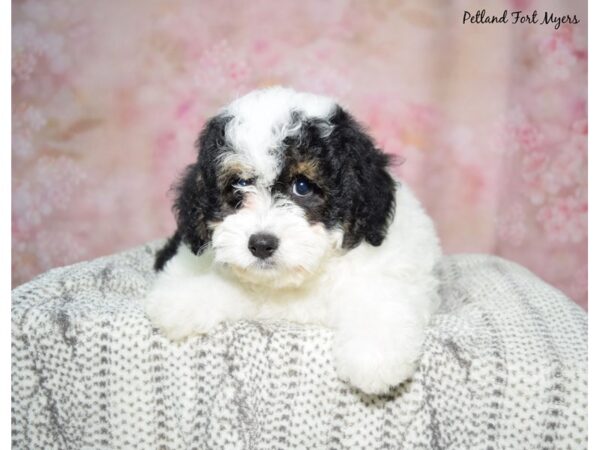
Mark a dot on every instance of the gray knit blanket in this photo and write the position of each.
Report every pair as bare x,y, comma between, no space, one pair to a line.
504,366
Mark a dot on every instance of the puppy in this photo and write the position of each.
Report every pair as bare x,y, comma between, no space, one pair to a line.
289,212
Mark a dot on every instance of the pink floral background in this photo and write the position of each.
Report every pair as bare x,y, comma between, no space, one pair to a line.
491,120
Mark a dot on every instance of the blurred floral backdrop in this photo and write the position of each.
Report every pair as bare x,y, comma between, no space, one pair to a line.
491,120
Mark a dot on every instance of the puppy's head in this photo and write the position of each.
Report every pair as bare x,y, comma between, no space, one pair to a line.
283,181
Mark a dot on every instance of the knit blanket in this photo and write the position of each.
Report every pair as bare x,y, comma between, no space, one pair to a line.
504,366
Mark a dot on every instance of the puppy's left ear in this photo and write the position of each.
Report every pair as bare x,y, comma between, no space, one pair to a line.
367,184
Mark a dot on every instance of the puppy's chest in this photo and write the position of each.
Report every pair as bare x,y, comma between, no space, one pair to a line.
309,307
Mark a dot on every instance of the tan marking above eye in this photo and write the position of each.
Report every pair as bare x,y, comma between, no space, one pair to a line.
235,172
232,166
310,169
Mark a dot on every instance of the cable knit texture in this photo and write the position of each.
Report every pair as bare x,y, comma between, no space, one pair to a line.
504,366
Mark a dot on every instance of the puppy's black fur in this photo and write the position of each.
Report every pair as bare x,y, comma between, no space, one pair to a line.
361,191
353,188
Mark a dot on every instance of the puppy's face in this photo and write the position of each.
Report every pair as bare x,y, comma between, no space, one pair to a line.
282,182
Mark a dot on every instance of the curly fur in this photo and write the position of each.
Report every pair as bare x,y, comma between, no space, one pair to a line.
356,254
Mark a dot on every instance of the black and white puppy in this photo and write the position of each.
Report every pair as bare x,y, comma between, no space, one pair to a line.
290,213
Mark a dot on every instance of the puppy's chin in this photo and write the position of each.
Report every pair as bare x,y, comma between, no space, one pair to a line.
265,274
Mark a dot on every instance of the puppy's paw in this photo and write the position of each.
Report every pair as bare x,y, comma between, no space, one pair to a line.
178,317
374,366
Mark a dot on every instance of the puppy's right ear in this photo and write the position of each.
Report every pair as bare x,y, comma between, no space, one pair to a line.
197,199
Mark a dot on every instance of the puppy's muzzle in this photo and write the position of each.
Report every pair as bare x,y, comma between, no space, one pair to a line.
263,245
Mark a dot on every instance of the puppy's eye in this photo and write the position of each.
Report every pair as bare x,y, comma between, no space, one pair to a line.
242,182
302,187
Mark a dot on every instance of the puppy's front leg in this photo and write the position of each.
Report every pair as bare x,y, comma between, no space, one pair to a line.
380,333
189,297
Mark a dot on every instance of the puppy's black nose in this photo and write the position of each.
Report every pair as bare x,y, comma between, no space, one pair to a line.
263,245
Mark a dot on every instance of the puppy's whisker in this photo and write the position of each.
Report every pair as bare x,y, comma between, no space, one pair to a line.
203,248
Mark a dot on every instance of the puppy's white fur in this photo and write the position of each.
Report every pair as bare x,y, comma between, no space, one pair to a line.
261,121
378,299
